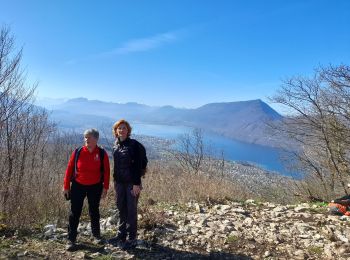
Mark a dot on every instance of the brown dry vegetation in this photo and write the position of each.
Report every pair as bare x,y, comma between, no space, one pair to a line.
168,183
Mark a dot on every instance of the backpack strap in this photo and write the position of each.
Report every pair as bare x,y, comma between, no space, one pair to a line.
76,156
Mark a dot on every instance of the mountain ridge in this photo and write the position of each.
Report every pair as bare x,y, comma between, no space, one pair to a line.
241,120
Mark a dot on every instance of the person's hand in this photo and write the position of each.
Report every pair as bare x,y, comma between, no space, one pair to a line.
104,193
136,190
66,194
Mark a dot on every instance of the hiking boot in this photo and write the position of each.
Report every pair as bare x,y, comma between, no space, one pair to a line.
117,240
70,246
130,244
98,241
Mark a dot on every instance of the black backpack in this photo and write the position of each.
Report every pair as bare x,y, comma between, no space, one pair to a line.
142,155
76,156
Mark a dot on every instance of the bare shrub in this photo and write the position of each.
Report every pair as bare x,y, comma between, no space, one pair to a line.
151,217
319,124
190,154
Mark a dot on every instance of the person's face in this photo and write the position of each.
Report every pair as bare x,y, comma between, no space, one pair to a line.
122,131
90,141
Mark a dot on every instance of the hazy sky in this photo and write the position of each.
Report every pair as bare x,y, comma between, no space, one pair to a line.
184,53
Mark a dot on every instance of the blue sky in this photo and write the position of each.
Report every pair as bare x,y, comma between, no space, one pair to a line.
184,53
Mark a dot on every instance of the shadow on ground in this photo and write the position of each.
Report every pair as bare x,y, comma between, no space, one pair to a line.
39,248
88,248
156,251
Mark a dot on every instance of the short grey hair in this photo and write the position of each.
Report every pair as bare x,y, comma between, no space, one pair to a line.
93,132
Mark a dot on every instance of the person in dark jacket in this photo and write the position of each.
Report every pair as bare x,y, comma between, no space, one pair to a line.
127,183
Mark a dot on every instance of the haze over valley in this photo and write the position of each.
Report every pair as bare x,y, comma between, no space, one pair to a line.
244,121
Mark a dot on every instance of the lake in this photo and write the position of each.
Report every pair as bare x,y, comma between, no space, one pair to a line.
265,157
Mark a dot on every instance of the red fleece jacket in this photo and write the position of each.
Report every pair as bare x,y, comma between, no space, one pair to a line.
88,169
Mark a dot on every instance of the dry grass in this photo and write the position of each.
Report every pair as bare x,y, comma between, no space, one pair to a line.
167,183
164,183
35,208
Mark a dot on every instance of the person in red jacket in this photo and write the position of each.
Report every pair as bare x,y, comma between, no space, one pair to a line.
86,177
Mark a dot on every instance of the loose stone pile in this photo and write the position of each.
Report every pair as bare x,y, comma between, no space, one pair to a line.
230,230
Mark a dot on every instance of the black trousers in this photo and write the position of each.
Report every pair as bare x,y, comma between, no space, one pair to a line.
127,207
78,194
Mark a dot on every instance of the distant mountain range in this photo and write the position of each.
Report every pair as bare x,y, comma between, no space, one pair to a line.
244,120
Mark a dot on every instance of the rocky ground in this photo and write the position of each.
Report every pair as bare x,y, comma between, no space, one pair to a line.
226,230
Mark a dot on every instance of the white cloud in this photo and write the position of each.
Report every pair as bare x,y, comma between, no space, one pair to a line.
145,44
142,44
136,45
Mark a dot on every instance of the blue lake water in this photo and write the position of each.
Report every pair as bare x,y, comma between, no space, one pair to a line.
265,157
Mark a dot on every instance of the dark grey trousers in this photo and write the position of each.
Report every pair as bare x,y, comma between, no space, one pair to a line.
127,206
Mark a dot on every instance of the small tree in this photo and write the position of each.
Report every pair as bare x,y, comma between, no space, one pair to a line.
191,151
195,156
